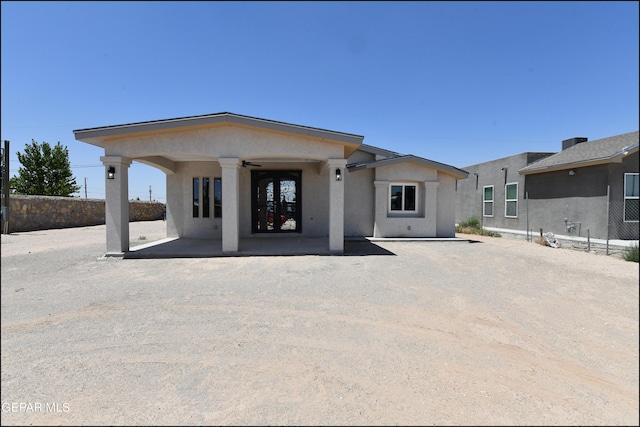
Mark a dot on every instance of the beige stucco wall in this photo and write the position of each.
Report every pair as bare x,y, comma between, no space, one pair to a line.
224,141
314,195
359,198
446,226
315,200
180,205
435,205
181,223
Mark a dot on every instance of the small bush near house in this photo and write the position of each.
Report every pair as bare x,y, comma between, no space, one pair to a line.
630,253
472,226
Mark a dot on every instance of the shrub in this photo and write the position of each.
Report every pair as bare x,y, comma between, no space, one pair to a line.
630,253
471,223
472,226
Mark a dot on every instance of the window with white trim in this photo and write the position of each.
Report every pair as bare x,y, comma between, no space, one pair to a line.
487,200
403,198
201,205
511,200
631,201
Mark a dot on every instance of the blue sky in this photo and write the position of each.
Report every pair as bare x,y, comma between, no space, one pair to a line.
454,82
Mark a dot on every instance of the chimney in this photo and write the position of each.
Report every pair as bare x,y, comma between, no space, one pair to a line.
568,143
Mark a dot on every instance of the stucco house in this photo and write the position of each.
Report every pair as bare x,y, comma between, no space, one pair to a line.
587,187
232,177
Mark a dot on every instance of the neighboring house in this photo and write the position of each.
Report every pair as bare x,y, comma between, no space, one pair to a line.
564,192
233,177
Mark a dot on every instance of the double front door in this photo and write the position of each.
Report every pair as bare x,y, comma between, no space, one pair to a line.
276,201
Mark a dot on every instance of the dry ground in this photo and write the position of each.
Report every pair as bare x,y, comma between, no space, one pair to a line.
500,332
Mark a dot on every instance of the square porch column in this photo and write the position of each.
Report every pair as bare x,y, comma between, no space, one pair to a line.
230,203
117,204
336,205
381,207
431,207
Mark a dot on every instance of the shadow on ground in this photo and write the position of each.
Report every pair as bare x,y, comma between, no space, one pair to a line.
201,248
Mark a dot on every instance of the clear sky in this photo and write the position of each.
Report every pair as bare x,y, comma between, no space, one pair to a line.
455,82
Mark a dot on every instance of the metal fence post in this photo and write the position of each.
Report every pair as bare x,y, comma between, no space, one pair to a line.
526,197
608,209
6,205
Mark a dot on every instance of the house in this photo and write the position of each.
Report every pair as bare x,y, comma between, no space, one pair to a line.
232,177
588,188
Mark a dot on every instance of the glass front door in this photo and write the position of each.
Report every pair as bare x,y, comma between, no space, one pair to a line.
276,201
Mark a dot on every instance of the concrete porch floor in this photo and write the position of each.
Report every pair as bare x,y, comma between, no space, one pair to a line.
282,246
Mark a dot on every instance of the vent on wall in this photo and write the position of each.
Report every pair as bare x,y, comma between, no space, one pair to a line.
568,143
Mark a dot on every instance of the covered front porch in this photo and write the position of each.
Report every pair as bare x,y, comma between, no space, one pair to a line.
174,247
230,178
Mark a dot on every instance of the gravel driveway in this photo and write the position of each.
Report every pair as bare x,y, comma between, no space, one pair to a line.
498,332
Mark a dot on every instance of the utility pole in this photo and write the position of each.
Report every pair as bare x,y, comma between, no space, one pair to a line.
5,184
149,193
85,187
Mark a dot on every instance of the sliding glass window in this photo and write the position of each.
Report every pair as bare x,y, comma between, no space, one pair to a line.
196,197
205,197
217,198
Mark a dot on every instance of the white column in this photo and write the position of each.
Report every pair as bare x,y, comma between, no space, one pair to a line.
230,203
381,207
117,204
431,206
336,205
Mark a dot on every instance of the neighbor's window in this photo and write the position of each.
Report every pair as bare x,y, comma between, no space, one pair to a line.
403,198
196,197
631,202
217,198
511,200
487,200
205,197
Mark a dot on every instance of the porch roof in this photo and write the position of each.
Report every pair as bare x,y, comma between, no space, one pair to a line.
99,135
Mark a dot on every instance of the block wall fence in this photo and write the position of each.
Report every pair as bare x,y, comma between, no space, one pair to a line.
30,213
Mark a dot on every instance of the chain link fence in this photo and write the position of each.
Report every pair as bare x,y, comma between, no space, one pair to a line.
591,223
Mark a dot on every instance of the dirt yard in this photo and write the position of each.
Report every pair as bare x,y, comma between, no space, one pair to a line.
498,332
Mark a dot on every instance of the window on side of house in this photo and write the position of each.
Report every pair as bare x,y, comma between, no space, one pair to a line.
631,201
217,197
487,200
196,197
206,188
403,198
511,200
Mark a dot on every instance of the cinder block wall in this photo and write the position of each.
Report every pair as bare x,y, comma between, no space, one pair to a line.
30,213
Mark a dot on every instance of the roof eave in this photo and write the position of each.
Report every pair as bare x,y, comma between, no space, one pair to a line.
572,165
441,167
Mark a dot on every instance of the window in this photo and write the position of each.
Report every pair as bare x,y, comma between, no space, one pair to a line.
217,198
511,200
202,197
196,197
487,200
205,198
403,198
631,202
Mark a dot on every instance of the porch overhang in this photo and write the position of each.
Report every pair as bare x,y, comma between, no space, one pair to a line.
100,136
